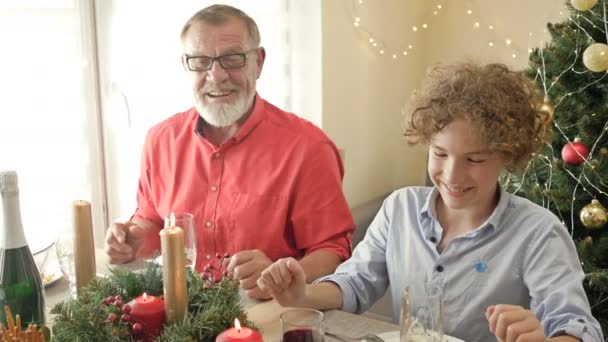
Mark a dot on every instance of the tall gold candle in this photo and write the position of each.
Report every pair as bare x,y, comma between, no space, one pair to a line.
84,249
174,272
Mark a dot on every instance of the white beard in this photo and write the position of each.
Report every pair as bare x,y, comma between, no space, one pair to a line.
222,115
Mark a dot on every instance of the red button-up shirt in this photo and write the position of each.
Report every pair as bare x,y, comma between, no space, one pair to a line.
276,186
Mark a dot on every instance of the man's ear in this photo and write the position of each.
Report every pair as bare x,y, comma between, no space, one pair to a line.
183,59
261,53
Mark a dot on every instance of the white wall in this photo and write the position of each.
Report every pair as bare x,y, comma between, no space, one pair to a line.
364,92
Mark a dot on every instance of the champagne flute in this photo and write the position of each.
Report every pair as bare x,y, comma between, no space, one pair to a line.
422,313
186,222
64,246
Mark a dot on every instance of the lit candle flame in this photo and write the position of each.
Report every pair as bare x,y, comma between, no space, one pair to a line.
237,324
172,219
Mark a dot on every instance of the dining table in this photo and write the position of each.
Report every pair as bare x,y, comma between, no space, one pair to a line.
263,313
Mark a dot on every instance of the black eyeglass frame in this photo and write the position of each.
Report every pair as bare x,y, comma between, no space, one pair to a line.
219,59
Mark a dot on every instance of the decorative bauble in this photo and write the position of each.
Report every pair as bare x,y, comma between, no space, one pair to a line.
595,57
583,5
594,215
547,107
575,153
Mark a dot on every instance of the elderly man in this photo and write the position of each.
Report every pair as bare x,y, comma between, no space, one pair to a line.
261,183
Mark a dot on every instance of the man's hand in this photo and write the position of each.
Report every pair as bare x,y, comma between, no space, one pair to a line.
511,323
124,242
246,267
285,280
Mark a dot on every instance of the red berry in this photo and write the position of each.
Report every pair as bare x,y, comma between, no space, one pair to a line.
207,268
138,327
125,318
126,309
218,255
226,273
112,317
118,303
119,297
226,255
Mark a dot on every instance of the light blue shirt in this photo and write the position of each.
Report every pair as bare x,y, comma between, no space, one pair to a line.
522,255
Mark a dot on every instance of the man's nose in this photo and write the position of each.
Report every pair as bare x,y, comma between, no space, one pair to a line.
217,72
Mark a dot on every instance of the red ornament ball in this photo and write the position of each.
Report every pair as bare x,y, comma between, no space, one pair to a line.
575,153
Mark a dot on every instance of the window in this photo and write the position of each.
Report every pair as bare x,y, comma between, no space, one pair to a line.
76,105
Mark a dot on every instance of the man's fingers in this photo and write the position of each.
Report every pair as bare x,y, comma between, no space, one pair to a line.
241,258
119,231
249,282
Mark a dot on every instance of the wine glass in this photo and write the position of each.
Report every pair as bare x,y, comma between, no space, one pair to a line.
64,246
422,313
302,325
186,222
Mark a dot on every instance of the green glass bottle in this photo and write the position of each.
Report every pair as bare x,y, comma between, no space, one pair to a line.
20,282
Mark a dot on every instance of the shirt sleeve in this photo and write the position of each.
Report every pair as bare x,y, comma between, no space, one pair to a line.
320,215
145,207
553,274
363,278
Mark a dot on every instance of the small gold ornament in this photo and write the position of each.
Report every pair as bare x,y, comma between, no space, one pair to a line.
547,107
595,57
594,215
583,5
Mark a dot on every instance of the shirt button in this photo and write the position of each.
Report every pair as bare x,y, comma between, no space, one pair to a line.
209,224
213,188
217,155
208,256
433,239
439,268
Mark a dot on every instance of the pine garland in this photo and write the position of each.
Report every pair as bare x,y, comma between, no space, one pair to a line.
212,308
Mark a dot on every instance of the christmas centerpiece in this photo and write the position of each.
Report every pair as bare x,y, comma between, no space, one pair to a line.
168,303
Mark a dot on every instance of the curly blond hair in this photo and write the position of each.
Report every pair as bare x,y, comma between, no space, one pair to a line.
502,105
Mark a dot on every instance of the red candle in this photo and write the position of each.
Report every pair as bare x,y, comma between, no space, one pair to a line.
239,334
150,312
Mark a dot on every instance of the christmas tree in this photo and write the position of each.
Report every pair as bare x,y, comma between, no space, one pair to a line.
571,177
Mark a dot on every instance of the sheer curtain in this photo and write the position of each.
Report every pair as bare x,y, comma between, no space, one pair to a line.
47,114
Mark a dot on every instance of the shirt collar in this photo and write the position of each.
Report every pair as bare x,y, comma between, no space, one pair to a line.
429,211
258,114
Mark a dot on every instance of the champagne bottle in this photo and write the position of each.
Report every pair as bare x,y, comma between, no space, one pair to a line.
20,282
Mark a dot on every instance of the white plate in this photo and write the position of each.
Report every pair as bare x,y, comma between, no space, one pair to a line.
393,336
51,276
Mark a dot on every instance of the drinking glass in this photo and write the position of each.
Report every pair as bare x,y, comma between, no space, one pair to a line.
302,325
64,247
422,313
186,222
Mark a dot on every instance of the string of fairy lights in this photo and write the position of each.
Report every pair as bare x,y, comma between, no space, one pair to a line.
379,45
595,58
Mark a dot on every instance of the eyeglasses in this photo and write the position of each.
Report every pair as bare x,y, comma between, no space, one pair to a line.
230,61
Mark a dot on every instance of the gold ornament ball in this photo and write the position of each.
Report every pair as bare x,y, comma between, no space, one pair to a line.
583,5
547,107
594,215
595,57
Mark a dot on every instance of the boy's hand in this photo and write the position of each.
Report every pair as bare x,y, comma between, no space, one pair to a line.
511,323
